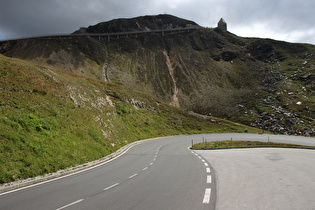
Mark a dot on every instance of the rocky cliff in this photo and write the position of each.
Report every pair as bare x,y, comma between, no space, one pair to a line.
259,82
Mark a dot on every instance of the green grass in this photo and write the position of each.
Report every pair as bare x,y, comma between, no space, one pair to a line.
245,144
52,120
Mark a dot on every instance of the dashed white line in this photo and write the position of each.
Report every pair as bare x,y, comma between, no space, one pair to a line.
206,198
209,179
145,169
70,204
151,163
114,185
207,195
130,177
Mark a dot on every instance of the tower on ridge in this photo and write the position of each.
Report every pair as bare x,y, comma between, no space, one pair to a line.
222,25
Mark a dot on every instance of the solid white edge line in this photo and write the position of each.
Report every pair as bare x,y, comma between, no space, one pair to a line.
208,170
83,170
114,185
71,174
206,198
209,179
70,204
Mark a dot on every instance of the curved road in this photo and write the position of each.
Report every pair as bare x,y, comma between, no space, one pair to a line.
165,174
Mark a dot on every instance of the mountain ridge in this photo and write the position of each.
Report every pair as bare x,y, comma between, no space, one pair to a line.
142,23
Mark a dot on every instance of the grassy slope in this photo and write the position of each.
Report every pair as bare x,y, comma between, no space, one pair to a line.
52,120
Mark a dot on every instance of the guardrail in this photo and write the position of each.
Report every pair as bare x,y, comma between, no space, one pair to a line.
112,36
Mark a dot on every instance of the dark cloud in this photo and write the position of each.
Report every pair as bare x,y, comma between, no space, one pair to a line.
279,19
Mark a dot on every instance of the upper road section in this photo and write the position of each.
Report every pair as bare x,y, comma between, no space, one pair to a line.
113,36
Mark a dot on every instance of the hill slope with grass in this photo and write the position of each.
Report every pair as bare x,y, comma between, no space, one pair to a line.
258,82
51,120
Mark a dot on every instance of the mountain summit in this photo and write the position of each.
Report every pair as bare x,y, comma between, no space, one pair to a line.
143,23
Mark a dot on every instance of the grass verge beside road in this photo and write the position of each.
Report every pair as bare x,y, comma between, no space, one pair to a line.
228,144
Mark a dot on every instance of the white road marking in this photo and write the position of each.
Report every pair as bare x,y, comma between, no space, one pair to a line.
114,185
145,169
206,198
209,179
71,204
130,177
151,164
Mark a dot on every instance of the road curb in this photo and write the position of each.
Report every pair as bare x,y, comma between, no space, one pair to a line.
26,183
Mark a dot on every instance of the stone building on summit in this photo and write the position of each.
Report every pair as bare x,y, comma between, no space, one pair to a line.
222,25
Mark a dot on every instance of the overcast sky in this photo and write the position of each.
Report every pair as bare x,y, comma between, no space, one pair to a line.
289,20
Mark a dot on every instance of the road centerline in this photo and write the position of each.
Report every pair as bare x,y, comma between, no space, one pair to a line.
130,177
114,185
70,204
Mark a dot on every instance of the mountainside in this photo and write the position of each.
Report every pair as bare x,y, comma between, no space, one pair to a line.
51,120
259,82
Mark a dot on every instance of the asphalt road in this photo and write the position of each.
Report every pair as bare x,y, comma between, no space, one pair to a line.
159,174
165,174
264,178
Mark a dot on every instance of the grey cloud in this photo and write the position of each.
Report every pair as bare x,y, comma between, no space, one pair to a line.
20,18
281,14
